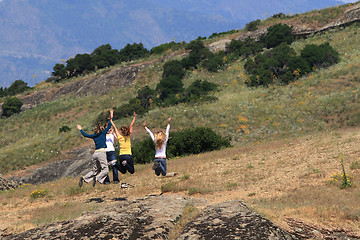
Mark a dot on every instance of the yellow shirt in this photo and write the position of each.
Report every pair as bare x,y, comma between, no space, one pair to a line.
125,145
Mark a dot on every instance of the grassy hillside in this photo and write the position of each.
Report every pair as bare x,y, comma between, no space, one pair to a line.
322,100
285,164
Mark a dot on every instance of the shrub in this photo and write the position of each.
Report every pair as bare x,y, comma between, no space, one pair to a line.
214,62
168,86
19,86
38,193
11,105
164,47
253,25
64,129
320,55
277,34
128,109
186,142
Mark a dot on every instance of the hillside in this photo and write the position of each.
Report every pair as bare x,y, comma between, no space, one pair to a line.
288,142
37,34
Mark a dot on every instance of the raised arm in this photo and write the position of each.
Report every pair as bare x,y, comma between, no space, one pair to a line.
84,133
132,123
116,130
168,129
148,130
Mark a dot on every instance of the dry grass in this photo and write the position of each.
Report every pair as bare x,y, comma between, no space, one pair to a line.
278,179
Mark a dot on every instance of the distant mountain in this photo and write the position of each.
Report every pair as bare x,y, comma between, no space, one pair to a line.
37,34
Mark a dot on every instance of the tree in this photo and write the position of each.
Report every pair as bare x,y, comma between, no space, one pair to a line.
59,70
169,85
16,87
277,34
11,105
173,68
146,96
320,55
132,52
253,25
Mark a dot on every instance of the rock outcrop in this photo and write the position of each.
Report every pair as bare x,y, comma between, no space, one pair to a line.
7,184
155,217
78,163
232,220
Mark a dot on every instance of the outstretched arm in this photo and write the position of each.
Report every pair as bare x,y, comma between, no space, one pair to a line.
113,124
148,130
168,129
84,133
116,130
132,123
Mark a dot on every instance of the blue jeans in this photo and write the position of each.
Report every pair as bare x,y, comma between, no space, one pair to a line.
111,156
162,168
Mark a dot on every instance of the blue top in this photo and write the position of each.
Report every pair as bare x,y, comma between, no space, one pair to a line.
99,138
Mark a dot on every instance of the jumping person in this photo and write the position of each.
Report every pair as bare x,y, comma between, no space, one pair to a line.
111,155
160,139
125,156
99,156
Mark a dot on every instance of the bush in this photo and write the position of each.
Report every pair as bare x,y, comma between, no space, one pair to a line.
186,142
253,25
11,105
214,62
19,86
320,55
277,34
164,47
64,129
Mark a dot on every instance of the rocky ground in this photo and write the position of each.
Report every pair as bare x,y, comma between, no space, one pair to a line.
155,217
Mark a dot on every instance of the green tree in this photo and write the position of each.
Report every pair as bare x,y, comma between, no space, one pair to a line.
322,55
168,86
16,87
11,105
253,25
132,52
173,68
277,34
59,70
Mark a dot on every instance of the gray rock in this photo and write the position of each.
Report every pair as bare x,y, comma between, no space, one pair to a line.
232,220
154,217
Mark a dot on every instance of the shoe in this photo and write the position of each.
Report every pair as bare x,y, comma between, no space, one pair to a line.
156,165
126,185
94,181
105,183
115,182
81,181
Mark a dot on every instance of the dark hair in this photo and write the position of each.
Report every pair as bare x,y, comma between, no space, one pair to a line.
125,131
98,128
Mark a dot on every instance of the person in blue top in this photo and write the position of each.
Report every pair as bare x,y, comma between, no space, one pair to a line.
99,156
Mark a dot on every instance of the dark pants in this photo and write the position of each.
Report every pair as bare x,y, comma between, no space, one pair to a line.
162,167
111,157
129,165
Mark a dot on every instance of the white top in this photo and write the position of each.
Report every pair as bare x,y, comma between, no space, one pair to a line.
110,142
160,153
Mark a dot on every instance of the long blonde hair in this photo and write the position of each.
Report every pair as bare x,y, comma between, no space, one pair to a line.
160,138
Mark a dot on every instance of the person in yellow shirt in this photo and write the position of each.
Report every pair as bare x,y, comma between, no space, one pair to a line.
125,156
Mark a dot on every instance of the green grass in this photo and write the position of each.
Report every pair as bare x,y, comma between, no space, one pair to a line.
320,101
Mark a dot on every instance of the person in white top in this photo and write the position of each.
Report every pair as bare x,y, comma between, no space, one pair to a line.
160,139
111,155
